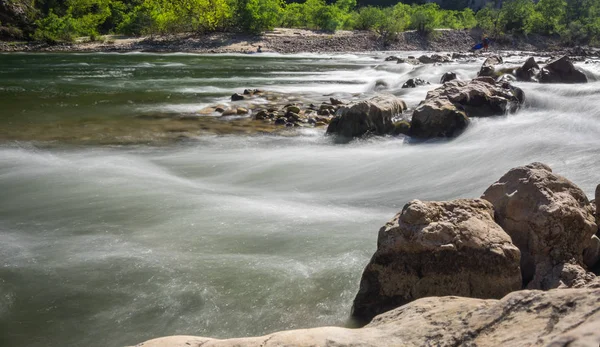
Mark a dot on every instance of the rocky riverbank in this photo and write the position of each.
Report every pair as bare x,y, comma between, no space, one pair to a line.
522,257
283,40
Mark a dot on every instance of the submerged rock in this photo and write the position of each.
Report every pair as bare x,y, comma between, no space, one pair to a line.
548,218
489,66
447,77
237,97
335,101
437,249
414,82
409,60
434,58
373,116
561,70
401,128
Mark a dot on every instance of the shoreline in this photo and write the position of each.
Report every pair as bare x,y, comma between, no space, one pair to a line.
285,40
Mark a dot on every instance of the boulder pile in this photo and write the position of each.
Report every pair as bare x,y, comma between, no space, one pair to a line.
446,110
531,229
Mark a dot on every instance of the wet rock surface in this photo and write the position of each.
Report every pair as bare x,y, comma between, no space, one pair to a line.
561,70
446,110
525,318
489,66
447,77
436,249
548,217
415,82
373,116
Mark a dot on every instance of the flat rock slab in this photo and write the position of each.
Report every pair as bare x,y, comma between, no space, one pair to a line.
558,317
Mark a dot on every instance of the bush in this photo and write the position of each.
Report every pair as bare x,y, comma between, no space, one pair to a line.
259,15
426,18
517,16
53,29
488,19
577,21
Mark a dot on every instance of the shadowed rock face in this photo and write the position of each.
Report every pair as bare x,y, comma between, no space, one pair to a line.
549,218
528,72
525,318
434,249
597,201
489,66
373,116
447,77
414,82
561,70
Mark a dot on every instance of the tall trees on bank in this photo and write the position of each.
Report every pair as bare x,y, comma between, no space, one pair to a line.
578,21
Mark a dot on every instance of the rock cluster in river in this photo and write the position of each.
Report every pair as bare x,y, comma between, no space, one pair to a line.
557,70
446,110
530,230
279,109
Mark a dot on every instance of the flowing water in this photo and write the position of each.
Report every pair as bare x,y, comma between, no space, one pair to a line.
110,236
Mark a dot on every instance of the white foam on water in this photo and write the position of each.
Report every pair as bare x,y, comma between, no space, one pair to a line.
245,235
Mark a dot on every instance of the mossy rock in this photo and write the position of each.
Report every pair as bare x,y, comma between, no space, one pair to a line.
402,127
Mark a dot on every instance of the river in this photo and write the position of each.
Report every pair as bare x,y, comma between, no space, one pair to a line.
112,234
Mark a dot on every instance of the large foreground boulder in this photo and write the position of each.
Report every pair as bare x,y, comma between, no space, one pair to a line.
446,110
550,219
435,249
373,116
561,70
526,318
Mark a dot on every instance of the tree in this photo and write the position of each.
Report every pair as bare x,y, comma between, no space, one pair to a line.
426,18
549,16
259,15
517,16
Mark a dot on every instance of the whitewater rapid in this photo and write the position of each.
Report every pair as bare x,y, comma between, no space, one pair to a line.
228,236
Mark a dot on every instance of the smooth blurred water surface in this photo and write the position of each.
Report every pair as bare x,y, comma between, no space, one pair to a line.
225,236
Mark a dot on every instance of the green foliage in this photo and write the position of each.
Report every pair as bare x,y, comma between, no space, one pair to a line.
53,29
549,16
426,18
293,16
488,19
464,19
516,16
368,18
259,15
576,21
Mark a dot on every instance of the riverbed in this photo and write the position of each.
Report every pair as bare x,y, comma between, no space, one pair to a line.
117,226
